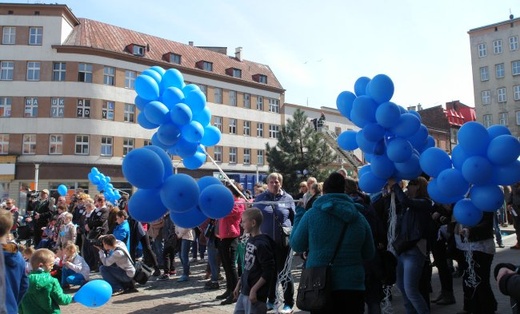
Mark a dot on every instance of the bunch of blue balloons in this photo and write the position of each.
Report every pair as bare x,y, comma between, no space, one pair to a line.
178,112
190,202
103,184
390,136
483,160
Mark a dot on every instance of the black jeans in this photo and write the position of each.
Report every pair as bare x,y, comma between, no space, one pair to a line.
440,257
227,249
281,254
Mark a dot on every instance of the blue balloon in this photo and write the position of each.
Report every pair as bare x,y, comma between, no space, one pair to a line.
506,175
156,112
415,113
143,168
157,142
211,136
430,142
477,170
466,213
434,160
94,178
62,190
184,148
145,205
196,100
344,103
188,219
360,86
407,125
458,156
192,132
166,160
399,149
498,129
180,114
366,145
216,201
387,114
172,96
373,132
203,117
147,88
451,182
409,169
180,193
474,138
381,166
94,293
503,149
206,181
143,122
380,88
347,140
140,103
487,197
158,69
363,111
94,170
370,183
194,162
363,170
190,87
153,74
172,78
168,133
419,138
438,196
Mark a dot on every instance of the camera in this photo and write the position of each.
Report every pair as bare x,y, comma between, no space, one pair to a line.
33,194
506,265
96,242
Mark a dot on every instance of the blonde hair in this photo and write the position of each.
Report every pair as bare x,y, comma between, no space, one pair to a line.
29,251
41,258
71,247
6,222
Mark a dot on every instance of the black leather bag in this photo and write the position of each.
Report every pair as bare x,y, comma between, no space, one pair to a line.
314,289
142,272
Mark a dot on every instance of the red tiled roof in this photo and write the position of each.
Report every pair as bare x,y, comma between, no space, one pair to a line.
110,38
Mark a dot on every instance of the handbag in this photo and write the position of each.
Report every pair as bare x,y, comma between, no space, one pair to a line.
314,290
142,271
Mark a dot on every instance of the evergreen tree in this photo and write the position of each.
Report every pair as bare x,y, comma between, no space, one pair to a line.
301,152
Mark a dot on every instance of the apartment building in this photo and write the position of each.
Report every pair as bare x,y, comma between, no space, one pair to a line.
67,100
495,61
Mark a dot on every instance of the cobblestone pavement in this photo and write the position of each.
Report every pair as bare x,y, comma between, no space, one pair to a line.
170,296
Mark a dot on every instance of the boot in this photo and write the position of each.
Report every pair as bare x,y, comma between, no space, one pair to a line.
447,299
438,298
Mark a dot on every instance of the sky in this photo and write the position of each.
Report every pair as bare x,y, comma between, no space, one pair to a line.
319,48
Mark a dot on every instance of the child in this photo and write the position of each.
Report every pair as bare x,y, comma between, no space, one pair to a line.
48,235
44,294
16,282
259,266
187,236
75,270
27,253
170,247
67,231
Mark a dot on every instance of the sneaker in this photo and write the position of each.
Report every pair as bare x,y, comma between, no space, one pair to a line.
130,290
194,260
286,309
269,305
183,278
501,246
223,296
157,273
220,277
164,277
211,285
228,300
173,272
118,292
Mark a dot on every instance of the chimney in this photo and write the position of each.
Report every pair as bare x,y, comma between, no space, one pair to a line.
190,43
238,53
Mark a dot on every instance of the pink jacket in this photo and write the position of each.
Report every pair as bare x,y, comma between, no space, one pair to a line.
229,226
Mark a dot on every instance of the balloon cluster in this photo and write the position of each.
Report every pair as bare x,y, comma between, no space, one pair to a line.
103,184
190,202
94,293
483,160
391,137
179,113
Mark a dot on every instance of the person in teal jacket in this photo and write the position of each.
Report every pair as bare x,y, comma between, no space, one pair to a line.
122,230
45,294
317,231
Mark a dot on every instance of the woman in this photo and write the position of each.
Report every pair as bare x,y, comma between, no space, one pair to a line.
318,229
415,226
122,229
315,190
117,268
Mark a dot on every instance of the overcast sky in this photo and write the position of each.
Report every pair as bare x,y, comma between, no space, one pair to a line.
318,49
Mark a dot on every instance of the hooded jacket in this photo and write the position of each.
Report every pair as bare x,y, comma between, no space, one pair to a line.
16,281
318,230
44,295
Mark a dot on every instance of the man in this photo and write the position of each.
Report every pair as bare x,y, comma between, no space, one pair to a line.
513,205
44,210
310,182
278,209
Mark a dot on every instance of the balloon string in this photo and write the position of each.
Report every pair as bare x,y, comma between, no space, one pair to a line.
386,303
225,176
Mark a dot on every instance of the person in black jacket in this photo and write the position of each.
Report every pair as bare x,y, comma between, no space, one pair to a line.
43,211
508,281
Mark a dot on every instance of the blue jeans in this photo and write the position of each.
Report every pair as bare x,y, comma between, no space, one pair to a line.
158,247
409,269
185,256
70,277
115,276
496,227
212,258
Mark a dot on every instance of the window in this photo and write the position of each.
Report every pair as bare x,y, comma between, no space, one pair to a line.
56,144
488,120
207,66
501,95
203,89
482,52
247,128
497,46
515,68
8,35
218,95
130,77
109,75
59,69
6,70
247,101
260,103
5,106
262,79
486,97
513,43
138,50
484,74
217,154
107,112
128,145
175,58
57,107
29,144
85,72
260,157
232,155
31,107
4,144
274,105
232,98
247,156
82,145
129,113
502,118
232,126
218,123
237,73
106,146
273,130
517,114
259,129
83,108
499,70
35,36
516,92
147,142
33,71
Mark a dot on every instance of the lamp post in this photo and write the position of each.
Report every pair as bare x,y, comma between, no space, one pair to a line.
36,175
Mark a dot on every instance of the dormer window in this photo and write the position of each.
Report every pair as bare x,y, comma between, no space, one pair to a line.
174,58
260,78
136,50
205,65
234,72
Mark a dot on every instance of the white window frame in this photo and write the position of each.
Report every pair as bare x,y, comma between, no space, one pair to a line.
6,104
232,155
486,97
497,46
500,71
107,143
85,72
217,153
247,156
502,118
29,144
516,92
515,67
217,122
260,103
513,43
484,74
109,76
233,98
274,129
517,114
82,145
6,70
9,35
31,107
204,89
35,35
259,129
56,144
247,101
130,77
247,128
107,112
175,58
59,71
501,95
487,120
4,144
260,160
482,50
232,126
57,107
83,108
129,113
128,145
274,105
217,93
33,71
207,66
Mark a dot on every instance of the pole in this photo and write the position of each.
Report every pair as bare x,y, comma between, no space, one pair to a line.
257,174
36,175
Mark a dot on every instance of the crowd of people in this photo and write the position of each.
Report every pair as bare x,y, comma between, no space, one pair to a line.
388,240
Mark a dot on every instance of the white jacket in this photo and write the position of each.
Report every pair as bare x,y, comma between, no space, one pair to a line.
79,265
120,257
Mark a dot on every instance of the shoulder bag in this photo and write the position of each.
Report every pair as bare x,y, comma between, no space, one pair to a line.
142,271
314,290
